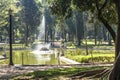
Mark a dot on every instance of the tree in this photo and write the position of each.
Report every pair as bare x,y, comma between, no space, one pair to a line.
71,30
79,26
115,74
31,18
108,11
4,16
49,23
5,19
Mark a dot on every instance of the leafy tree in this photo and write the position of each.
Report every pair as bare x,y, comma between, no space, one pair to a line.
50,23
71,32
79,26
108,12
30,17
5,5
115,74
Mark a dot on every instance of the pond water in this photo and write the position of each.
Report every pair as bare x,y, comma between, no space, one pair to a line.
28,57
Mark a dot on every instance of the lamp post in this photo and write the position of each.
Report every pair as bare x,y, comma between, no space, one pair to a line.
10,37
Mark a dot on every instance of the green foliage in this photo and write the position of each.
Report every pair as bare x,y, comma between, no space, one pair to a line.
61,8
70,45
97,59
93,57
74,52
5,5
31,14
30,19
84,5
108,11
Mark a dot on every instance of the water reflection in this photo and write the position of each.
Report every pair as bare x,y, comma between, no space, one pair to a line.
35,58
30,58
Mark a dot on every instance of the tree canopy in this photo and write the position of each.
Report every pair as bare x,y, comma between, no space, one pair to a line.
107,11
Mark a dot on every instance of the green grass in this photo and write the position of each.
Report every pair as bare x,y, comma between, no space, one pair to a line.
91,44
94,56
15,46
95,59
54,73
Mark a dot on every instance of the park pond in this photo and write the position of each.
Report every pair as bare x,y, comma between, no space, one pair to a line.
28,57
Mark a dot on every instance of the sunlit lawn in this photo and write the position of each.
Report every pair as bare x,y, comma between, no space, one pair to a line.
54,74
94,55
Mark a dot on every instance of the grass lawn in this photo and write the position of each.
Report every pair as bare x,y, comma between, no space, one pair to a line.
56,74
94,56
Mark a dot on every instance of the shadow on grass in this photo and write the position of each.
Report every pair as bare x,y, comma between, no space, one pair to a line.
56,73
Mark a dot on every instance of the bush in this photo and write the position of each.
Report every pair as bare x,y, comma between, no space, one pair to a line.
96,57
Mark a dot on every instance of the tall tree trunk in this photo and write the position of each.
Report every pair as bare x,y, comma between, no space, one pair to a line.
117,45
27,35
51,35
109,40
104,33
95,34
79,41
72,37
115,74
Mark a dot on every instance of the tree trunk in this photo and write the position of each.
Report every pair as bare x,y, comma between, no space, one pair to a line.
79,41
72,37
104,33
26,37
51,35
103,20
117,45
109,40
115,74
108,27
95,34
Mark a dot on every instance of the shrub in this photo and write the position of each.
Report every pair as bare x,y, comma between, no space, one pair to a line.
96,57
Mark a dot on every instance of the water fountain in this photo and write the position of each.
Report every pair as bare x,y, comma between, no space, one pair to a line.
41,49
42,29
42,45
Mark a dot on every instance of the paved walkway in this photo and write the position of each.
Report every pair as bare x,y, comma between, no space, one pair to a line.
7,72
68,61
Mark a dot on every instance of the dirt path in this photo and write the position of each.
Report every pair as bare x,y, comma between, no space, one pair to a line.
7,72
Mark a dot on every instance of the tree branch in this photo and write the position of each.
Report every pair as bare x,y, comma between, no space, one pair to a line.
108,27
104,4
97,6
104,21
